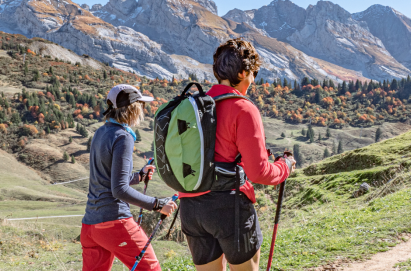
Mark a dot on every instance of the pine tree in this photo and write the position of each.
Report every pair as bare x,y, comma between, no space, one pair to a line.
340,147
303,132
394,84
282,134
334,148
89,143
326,153
48,130
319,137
138,136
78,127
73,160
328,133
378,134
299,159
65,156
70,139
285,82
151,125
310,133
105,75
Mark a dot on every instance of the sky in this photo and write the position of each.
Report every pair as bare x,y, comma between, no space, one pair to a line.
352,6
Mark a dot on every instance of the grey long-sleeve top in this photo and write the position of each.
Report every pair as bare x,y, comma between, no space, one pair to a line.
111,165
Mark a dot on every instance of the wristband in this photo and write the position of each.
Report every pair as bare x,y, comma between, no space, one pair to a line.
142,175
159,203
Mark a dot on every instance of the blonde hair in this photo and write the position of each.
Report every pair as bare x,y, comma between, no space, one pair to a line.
132,114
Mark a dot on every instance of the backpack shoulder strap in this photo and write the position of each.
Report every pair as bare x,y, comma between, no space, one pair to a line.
231,96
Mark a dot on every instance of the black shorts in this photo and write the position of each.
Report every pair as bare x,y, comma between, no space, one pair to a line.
208,221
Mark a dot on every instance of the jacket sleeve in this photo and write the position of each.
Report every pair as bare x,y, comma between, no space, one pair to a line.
120,175
250,141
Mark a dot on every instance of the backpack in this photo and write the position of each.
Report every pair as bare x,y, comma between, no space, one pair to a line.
184,143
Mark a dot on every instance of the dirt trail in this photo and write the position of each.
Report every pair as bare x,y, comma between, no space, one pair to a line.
384,261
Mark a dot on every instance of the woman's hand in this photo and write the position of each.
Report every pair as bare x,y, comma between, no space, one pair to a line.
169,208
293,163
145,169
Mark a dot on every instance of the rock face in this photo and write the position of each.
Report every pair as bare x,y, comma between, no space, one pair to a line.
85,6
96,7
330,33
280,19
77,29
168,38
392,28
189,28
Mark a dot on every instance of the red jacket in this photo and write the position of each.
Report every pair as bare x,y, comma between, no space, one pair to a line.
240,130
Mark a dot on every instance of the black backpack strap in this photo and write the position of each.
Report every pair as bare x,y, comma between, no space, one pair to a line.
199,87
231,96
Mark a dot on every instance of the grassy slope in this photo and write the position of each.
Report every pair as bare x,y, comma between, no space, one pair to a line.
352,137
322,224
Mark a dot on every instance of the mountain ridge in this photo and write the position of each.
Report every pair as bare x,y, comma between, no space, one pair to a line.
165,38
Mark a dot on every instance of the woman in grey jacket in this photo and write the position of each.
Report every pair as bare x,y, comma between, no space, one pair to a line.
108,228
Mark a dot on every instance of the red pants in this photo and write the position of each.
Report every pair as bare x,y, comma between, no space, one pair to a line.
120,238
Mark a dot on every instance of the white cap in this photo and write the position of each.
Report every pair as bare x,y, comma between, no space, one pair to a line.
131,95
137,96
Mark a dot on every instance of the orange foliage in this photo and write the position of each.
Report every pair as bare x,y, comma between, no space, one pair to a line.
3,128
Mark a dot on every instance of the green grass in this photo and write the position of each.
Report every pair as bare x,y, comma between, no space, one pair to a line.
404,266
321,222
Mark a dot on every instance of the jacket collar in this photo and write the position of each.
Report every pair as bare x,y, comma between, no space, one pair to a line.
217,90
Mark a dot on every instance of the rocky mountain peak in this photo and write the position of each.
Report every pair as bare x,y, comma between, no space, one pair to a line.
96,7
328,10
275,18
392,28
208,4
123,6
85,6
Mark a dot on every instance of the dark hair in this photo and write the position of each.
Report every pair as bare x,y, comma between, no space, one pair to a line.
234,57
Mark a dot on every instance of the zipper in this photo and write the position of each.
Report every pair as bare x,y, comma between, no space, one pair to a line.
200,130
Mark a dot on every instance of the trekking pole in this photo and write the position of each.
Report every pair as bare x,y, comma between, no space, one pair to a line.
277,218
172,223
139,257
140,216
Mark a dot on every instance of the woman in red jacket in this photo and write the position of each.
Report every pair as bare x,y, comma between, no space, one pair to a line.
211,232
